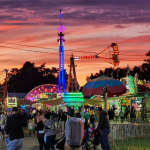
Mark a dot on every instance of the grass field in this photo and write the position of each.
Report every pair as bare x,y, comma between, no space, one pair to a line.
132,144
129,144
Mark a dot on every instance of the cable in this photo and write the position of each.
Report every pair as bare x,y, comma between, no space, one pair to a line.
53,49
29,50
29,46
44,47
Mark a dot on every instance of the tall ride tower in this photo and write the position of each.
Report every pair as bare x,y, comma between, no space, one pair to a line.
61,79
72,80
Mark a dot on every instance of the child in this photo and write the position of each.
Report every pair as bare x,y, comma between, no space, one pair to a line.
31,127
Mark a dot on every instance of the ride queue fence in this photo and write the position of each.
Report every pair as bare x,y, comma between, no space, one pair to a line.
130,136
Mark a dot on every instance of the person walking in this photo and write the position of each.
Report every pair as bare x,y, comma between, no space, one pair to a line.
73,132
104,126
50,133
14,127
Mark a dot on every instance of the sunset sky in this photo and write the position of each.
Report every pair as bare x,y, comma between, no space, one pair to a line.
91,25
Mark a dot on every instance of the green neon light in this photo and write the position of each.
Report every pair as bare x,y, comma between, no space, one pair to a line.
131,85
72,94
92,97
72,99
79,104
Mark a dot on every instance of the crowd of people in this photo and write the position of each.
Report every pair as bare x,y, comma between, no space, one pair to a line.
114,114
43,125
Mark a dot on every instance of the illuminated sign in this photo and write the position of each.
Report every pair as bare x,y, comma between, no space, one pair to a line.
11,101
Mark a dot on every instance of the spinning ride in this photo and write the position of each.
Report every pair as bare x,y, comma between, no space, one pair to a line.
109,55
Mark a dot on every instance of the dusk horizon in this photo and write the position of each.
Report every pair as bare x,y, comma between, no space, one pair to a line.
28,26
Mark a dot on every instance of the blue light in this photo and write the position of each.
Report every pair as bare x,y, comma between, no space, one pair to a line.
23,106
60,15
61,79
63,71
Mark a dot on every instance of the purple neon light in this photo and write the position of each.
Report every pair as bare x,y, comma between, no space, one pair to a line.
61,28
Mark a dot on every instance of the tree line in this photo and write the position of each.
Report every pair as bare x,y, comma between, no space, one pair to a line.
29,76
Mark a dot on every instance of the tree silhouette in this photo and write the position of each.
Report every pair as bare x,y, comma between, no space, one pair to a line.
29,76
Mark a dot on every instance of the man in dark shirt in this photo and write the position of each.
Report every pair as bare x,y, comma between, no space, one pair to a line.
13,127
104,126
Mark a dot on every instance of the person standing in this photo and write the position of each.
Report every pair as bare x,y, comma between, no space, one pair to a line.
8,114
126,112
132,115
50,133
40,133
111,114
117,114
104,126
87,116
31,127
121,115
132,121
14,127
73,132
92,120
2,122
62,119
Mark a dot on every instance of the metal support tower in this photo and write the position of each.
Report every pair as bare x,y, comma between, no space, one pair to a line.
72,80
61,79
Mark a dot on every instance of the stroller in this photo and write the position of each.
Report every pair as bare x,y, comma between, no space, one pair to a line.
60,143
91,139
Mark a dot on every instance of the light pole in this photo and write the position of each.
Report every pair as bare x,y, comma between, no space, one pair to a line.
105,92
5,86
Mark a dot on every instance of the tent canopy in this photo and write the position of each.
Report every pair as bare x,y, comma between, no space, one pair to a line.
53,102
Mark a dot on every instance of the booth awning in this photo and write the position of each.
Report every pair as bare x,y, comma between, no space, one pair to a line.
92,102
25,102
54,102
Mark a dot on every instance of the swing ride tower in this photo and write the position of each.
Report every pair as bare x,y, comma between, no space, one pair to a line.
61,40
